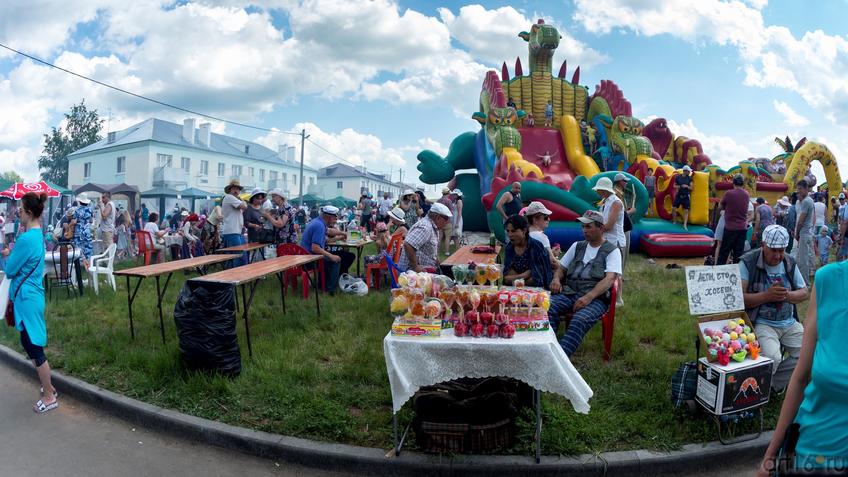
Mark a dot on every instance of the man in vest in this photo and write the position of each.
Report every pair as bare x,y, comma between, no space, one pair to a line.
772,284
589,267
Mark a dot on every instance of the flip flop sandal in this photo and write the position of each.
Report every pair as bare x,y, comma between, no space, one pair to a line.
41,390
41,408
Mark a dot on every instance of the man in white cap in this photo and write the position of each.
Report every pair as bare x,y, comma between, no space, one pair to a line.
456,232
421,244
683,187
589,269
314,240
446,232
772,284
804,229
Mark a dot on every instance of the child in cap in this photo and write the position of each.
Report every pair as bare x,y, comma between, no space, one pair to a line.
823,244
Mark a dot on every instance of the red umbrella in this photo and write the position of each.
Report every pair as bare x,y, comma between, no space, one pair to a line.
20,188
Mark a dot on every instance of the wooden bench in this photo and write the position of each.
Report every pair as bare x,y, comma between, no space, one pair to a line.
250,275
249,248
166,268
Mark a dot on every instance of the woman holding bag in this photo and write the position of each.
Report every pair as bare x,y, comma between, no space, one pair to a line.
25,266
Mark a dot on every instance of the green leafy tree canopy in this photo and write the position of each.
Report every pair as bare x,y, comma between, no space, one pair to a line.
82,128
11,176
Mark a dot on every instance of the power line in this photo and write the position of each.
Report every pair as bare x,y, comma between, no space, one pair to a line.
139,96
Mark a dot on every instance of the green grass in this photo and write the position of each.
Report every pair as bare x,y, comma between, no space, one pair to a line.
326,379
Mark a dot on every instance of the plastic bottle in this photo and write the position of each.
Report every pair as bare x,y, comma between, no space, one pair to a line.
492,239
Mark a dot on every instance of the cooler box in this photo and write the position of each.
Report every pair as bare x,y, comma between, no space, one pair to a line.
676,245
735,387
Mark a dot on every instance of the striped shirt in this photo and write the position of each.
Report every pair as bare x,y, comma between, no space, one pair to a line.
424,238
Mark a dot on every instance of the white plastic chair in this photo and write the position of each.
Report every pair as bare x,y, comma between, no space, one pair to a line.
103,264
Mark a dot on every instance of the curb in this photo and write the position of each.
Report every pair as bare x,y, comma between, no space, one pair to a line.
371,461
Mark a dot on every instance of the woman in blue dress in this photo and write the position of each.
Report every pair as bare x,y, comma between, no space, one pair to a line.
817,396
25,267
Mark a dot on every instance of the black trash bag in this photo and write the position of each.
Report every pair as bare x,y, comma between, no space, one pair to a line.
206,325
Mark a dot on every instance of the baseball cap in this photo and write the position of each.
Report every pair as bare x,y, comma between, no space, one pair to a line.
592,216
536,207
620,177
441,209
775,236
330,210
687,168
457,192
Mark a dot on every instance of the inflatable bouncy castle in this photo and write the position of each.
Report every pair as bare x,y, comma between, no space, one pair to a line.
590,136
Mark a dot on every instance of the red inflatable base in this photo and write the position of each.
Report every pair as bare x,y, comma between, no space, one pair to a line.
676,245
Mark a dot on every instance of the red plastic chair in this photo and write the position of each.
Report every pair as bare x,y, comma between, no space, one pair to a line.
294,273
374,271
145,247
607,322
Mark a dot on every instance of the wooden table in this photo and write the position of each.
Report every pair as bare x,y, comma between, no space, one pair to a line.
248,248
166,268
357,244
250,275
464,254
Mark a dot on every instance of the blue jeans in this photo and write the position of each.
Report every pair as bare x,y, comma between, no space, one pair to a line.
581,321
331,274
232,240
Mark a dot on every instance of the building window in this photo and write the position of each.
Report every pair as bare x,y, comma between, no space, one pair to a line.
311,181
86,170
272,175
164,160
250,171
294,179
185,163
261,175
285,179
236,170
122,164
339,185
204,168
221,169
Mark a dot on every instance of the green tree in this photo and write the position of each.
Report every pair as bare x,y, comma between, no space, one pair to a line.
11,176
82,127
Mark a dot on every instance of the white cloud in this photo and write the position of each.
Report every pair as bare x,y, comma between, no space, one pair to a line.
22,160
492,35
814,66
790,117
40,26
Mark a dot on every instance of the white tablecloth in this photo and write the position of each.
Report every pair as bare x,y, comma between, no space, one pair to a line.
48,256
535,358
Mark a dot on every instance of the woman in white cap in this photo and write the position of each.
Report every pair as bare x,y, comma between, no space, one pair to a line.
613,211
411,207
781,208
456,195
83,236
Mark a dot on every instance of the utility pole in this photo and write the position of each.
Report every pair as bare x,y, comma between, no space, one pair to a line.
303,137
401,177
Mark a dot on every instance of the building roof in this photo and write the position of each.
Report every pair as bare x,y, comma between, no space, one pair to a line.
167,132
343,170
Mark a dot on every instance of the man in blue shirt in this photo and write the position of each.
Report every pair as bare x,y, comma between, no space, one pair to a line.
772,284
314,240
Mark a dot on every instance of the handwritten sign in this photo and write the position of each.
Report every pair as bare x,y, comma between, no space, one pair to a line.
714,289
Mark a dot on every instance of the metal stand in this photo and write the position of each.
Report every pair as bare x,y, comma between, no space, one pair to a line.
130,300
246,300
736,440
398,444
160,294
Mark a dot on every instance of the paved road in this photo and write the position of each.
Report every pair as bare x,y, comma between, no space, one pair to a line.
74,440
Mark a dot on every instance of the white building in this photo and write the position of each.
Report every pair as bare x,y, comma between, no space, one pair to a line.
350,182
162,154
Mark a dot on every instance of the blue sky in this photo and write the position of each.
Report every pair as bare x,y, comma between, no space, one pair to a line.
376,82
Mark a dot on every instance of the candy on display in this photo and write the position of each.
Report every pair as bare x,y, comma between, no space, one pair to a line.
425,300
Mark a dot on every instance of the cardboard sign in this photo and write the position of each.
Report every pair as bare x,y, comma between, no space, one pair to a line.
714,289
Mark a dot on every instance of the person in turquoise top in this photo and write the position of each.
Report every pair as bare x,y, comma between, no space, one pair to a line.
817,397
25,267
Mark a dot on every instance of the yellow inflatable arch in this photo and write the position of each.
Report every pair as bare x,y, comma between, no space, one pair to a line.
800,162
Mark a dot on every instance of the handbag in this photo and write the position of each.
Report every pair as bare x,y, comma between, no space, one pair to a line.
10,306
